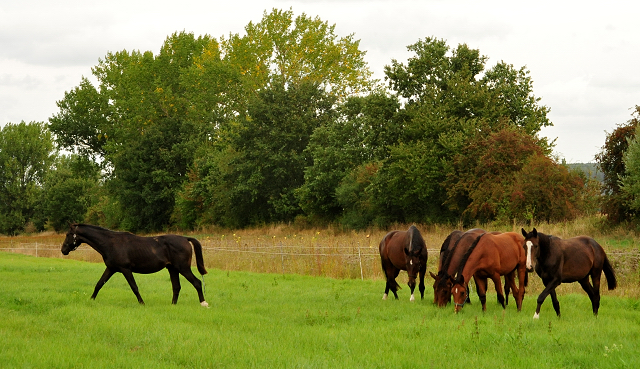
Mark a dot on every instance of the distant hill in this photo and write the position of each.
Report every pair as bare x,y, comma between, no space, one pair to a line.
590,169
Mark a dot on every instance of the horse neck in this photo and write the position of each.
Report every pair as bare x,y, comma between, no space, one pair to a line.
97,239
545,245
469,262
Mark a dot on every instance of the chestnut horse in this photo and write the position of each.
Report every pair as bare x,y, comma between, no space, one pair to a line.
559,261
127,253
451,253
403,250
492,256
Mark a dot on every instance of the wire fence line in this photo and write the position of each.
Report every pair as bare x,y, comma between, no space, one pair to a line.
351,259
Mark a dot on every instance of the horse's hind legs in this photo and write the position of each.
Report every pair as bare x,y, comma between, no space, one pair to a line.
592,292
188,274
175,283
105,277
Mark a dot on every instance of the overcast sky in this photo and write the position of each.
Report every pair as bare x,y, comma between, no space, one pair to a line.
583,57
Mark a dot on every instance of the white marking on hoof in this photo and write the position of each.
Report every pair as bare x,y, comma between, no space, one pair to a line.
204,304
536,316
384,297
412,298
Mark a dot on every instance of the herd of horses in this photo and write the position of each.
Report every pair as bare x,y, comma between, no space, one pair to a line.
491,255
473,254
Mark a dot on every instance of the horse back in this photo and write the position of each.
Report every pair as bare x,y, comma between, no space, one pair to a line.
392,249
579,256
452,262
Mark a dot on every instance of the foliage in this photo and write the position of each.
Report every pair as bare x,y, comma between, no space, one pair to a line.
70,189
615,204
630,181
26,152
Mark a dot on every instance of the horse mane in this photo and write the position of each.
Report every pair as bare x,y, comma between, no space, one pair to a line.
414,235
95,227
466,256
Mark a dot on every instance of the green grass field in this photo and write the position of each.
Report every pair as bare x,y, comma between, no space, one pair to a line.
274,320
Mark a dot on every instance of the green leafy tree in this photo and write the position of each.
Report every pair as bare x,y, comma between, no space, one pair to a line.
615,204
69,191
138,122
26,154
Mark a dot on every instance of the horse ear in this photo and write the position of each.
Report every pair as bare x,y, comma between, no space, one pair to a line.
432,275
406,252
524,233
535,232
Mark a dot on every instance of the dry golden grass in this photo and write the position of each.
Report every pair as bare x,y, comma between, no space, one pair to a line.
335,253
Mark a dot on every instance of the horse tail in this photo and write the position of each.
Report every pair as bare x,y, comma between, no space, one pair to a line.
197,247
610,274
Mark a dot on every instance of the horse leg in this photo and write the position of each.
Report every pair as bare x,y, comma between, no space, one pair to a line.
510,283
522,275
175,283
481,288
132,283
549,288
498,285
188,274
394,284
591,292
423,271
556,303
105,277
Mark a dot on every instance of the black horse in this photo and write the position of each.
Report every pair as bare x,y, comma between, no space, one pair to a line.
127,253
403,250
559,261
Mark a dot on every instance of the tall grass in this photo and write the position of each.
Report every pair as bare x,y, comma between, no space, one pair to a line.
275,320
336,253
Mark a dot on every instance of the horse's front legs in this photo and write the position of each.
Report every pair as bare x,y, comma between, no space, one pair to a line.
105,277
128,275
549,288
423,272
498,284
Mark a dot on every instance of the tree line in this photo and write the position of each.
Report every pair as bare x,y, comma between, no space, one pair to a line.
284,123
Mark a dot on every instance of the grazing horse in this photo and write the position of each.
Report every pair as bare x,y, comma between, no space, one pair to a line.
127,253
403,250
451,253
492,256
570,260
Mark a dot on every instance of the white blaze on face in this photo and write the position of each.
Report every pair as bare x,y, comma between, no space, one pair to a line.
529,245
410,262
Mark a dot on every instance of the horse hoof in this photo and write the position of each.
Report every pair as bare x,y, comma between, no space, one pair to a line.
412,298
384,297
536,316
204,304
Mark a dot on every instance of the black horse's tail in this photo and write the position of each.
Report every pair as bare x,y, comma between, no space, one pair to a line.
610,274
197,247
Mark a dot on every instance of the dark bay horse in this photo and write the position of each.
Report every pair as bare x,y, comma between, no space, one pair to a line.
570,260
451,253
492,256
403,250
127,253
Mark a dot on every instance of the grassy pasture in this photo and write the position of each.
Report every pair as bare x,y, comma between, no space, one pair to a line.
290,320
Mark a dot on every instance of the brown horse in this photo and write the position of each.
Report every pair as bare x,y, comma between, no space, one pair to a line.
127,253
491,256
403,250
451,253
559,261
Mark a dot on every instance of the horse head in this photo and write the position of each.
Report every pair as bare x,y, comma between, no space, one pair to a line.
459,292
71,241
532,248
413,266
441,289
